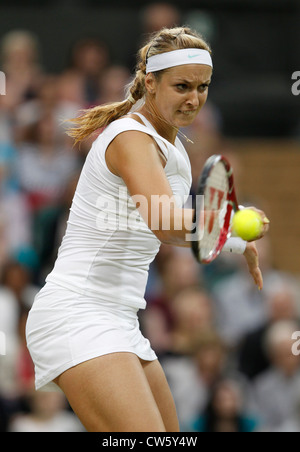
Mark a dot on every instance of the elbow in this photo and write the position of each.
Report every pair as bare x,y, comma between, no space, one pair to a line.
168,237
163,236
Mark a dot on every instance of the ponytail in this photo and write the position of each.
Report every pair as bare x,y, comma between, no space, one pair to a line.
101,116
96,118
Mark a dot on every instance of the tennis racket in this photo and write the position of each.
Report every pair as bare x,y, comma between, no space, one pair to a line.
212,221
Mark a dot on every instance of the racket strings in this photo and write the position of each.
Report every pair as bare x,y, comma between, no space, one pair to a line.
215,204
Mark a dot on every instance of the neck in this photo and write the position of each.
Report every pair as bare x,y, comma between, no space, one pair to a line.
162,127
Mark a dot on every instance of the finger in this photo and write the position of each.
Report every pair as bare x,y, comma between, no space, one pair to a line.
262,234
266,224
257,277
260,212
265,228
264,217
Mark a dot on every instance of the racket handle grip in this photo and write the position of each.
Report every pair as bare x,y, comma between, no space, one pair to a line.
235,245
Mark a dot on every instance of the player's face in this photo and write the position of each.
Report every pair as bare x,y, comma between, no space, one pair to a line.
181,92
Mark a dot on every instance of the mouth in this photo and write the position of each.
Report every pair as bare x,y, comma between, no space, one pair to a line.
187,112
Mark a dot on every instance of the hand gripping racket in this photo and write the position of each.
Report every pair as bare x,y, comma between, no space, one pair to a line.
212,221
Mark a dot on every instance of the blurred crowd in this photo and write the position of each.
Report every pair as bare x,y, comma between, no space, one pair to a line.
225,347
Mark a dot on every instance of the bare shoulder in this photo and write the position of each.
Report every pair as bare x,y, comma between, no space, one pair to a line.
130,148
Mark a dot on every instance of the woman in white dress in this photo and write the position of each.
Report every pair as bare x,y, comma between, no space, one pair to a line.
82,332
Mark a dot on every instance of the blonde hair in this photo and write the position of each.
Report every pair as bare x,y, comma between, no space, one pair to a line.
165,40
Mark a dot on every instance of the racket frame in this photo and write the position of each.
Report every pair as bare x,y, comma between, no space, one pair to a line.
232,205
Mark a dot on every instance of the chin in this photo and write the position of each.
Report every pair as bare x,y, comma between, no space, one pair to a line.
184,120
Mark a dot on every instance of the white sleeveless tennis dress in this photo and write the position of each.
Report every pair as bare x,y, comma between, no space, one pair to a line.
89,304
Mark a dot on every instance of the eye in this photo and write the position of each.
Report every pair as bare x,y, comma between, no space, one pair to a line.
203,88
181,86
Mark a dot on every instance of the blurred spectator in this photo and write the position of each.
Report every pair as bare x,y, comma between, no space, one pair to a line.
17,279
70,93
277,390
56,100
20,61
225,411
281,304
44,166
158,15
153,17
9,323
192,375
48,413
3,416
15,223
192,315
17,293
49,225
177,270
112,84
88,59
237,294
5,123
8,177
175,322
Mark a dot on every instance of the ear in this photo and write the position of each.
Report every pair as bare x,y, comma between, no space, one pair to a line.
150,83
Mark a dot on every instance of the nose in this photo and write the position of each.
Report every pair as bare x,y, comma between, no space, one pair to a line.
193,99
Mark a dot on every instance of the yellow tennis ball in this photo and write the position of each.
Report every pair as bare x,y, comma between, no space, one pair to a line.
247,224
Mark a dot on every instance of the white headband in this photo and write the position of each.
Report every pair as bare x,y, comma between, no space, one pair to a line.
178,58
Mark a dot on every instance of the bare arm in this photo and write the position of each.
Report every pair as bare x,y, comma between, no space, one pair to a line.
134,157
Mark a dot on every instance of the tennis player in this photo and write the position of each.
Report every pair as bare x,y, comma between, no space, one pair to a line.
82,331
